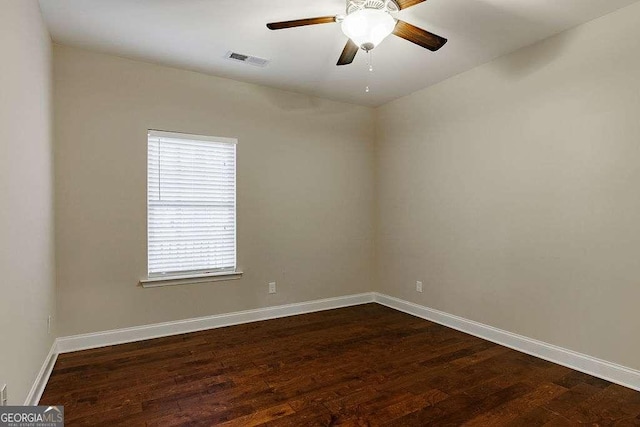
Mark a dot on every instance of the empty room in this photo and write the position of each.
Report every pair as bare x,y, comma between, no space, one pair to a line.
336,212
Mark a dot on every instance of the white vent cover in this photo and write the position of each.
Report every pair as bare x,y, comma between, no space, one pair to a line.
247,59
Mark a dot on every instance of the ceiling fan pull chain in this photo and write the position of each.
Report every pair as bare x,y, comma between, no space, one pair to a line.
370,73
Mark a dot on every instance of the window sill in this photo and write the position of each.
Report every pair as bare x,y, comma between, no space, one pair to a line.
154,282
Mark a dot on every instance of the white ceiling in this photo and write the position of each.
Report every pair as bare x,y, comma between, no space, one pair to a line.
196,34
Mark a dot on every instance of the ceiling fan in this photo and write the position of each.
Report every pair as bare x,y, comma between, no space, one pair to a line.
369,22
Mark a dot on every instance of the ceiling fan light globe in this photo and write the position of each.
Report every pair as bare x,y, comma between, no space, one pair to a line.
368,27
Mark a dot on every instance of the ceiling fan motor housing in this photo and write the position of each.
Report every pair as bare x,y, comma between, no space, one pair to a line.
387,5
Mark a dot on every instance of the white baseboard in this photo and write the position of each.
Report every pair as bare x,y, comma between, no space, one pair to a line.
139,333
580,362
42,378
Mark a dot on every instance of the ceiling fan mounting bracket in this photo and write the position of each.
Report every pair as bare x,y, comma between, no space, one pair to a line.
390,6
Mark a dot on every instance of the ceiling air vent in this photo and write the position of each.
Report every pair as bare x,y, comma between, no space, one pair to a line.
247,59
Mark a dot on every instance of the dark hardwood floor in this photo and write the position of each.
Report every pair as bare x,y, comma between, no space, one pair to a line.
364,365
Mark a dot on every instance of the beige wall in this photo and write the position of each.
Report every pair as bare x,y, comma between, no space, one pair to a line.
305,191
27,286
513,191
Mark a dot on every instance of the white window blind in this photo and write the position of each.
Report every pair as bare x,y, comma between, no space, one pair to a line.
191,204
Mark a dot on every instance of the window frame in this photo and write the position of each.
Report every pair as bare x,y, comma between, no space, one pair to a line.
199,275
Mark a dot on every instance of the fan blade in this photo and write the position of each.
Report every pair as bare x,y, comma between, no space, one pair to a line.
301,22
419,36
348,53
403,4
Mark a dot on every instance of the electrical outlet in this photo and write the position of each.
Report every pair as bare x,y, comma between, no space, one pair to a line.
48,324
272,287
3,395
418,286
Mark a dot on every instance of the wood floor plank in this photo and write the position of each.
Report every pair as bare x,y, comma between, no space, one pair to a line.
509,411
536,417
261,416
366,365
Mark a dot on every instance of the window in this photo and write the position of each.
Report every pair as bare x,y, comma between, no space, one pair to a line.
191,204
